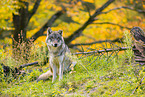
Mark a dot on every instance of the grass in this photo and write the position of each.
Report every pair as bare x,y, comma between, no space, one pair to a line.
95,75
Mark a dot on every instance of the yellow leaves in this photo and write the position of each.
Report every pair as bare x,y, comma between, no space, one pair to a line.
138,17
91,1
124,20
56,7
79,3
32,32
80,16
6,10
143,6
41,40
68,29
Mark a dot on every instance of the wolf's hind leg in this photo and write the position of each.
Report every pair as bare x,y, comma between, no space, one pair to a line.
44,76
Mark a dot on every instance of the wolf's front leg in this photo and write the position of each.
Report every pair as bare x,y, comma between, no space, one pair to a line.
54,73
60,71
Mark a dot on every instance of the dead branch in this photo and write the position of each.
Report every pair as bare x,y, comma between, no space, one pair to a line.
140,60
28,64
138,85
48,24
95,42
113,24
78,32
101,51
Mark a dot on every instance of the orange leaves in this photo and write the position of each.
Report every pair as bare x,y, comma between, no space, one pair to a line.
131,1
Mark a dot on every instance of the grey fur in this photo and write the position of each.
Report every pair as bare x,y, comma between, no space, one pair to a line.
58,55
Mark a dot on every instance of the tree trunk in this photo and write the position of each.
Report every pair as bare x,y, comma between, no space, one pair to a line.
20,22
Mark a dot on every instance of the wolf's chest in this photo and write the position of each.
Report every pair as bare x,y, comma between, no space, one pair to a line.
56,60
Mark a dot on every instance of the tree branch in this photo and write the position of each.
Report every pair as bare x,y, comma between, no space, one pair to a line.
78,32
101,51
125,7
87,7
101,41
48,24
33,11
113,24
98,11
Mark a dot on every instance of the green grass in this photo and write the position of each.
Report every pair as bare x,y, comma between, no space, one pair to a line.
116,78
94,76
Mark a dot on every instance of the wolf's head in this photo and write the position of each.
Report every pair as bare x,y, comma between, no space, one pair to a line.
54,38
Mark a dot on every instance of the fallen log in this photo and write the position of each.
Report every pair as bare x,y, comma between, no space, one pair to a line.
139,44
17,70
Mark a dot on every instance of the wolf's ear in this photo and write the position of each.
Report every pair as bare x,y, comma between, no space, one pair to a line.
49,31
60,32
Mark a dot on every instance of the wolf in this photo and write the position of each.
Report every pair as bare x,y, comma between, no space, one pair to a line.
59,59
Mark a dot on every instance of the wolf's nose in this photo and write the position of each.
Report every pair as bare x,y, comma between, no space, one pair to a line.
55,45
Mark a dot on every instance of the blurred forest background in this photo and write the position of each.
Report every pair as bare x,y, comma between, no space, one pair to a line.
83,22
88,25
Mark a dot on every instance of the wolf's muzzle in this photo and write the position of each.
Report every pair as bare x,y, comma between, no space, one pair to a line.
55,45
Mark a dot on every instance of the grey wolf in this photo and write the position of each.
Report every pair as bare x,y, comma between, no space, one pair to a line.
59,60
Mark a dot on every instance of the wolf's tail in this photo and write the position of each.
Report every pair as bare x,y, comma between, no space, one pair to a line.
44,76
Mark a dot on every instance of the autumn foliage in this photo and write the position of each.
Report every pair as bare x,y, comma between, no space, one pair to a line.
87,25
